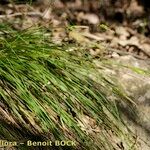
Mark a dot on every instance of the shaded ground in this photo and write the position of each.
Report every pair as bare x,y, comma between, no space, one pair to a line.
95,23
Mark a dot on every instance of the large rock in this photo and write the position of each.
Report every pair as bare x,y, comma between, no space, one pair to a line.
134,77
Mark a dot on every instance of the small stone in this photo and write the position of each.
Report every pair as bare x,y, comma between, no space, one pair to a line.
115,55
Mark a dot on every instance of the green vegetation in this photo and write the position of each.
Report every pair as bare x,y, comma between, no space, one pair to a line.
47,92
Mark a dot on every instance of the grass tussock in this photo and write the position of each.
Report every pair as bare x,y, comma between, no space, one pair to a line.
47,92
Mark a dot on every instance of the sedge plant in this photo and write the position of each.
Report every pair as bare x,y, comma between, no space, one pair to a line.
49,93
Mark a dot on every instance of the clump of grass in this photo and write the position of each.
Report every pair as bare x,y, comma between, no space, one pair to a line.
46,91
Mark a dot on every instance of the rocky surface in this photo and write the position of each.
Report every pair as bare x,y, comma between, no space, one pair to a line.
135,80
137,85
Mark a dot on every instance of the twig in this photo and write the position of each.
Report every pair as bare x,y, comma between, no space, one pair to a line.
141,49
108,48
21,14
124,53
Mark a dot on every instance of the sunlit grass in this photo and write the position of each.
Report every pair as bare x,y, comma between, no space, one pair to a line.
46,91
